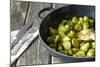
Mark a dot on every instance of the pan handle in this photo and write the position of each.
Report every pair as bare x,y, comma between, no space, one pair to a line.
51,8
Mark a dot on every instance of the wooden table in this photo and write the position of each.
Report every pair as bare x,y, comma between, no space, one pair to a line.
27,12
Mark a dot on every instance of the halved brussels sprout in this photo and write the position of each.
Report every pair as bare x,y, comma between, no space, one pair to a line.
67,45
75,43
75,50
70,52
80,53
91,52
66,38
78,27
93,44
85,47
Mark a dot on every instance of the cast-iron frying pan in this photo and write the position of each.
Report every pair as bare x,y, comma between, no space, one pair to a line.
54,18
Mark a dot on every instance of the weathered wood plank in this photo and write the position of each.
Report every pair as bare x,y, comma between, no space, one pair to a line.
36,54
18,13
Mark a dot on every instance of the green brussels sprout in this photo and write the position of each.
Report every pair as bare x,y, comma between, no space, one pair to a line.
60,48
80,53
74,55
80,18
50,39
85,25
75,50
67,28
70,24
85,47
62,28
61,34
74,19
75,43
91,21
67,45
70,52
78,27
64,22
71,34
80,21
86,18
63,52
93,44
66,38
91,52
52,31
57,39
82,43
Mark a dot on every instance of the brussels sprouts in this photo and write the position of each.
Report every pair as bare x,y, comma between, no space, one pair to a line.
52,31
86,18
91,52
85,47
85,25
93,45
71,34
57,39
66,52
91,21
78,27
64,22
75,43
70,52
60,48
80,21
74,19
80,53
62,28
61,34
67,45
74,37
66,38
75,50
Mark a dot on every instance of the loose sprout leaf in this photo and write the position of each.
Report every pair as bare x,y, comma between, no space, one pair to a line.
52,31
57,39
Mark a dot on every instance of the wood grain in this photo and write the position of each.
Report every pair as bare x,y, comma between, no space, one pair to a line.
27,12
36,53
